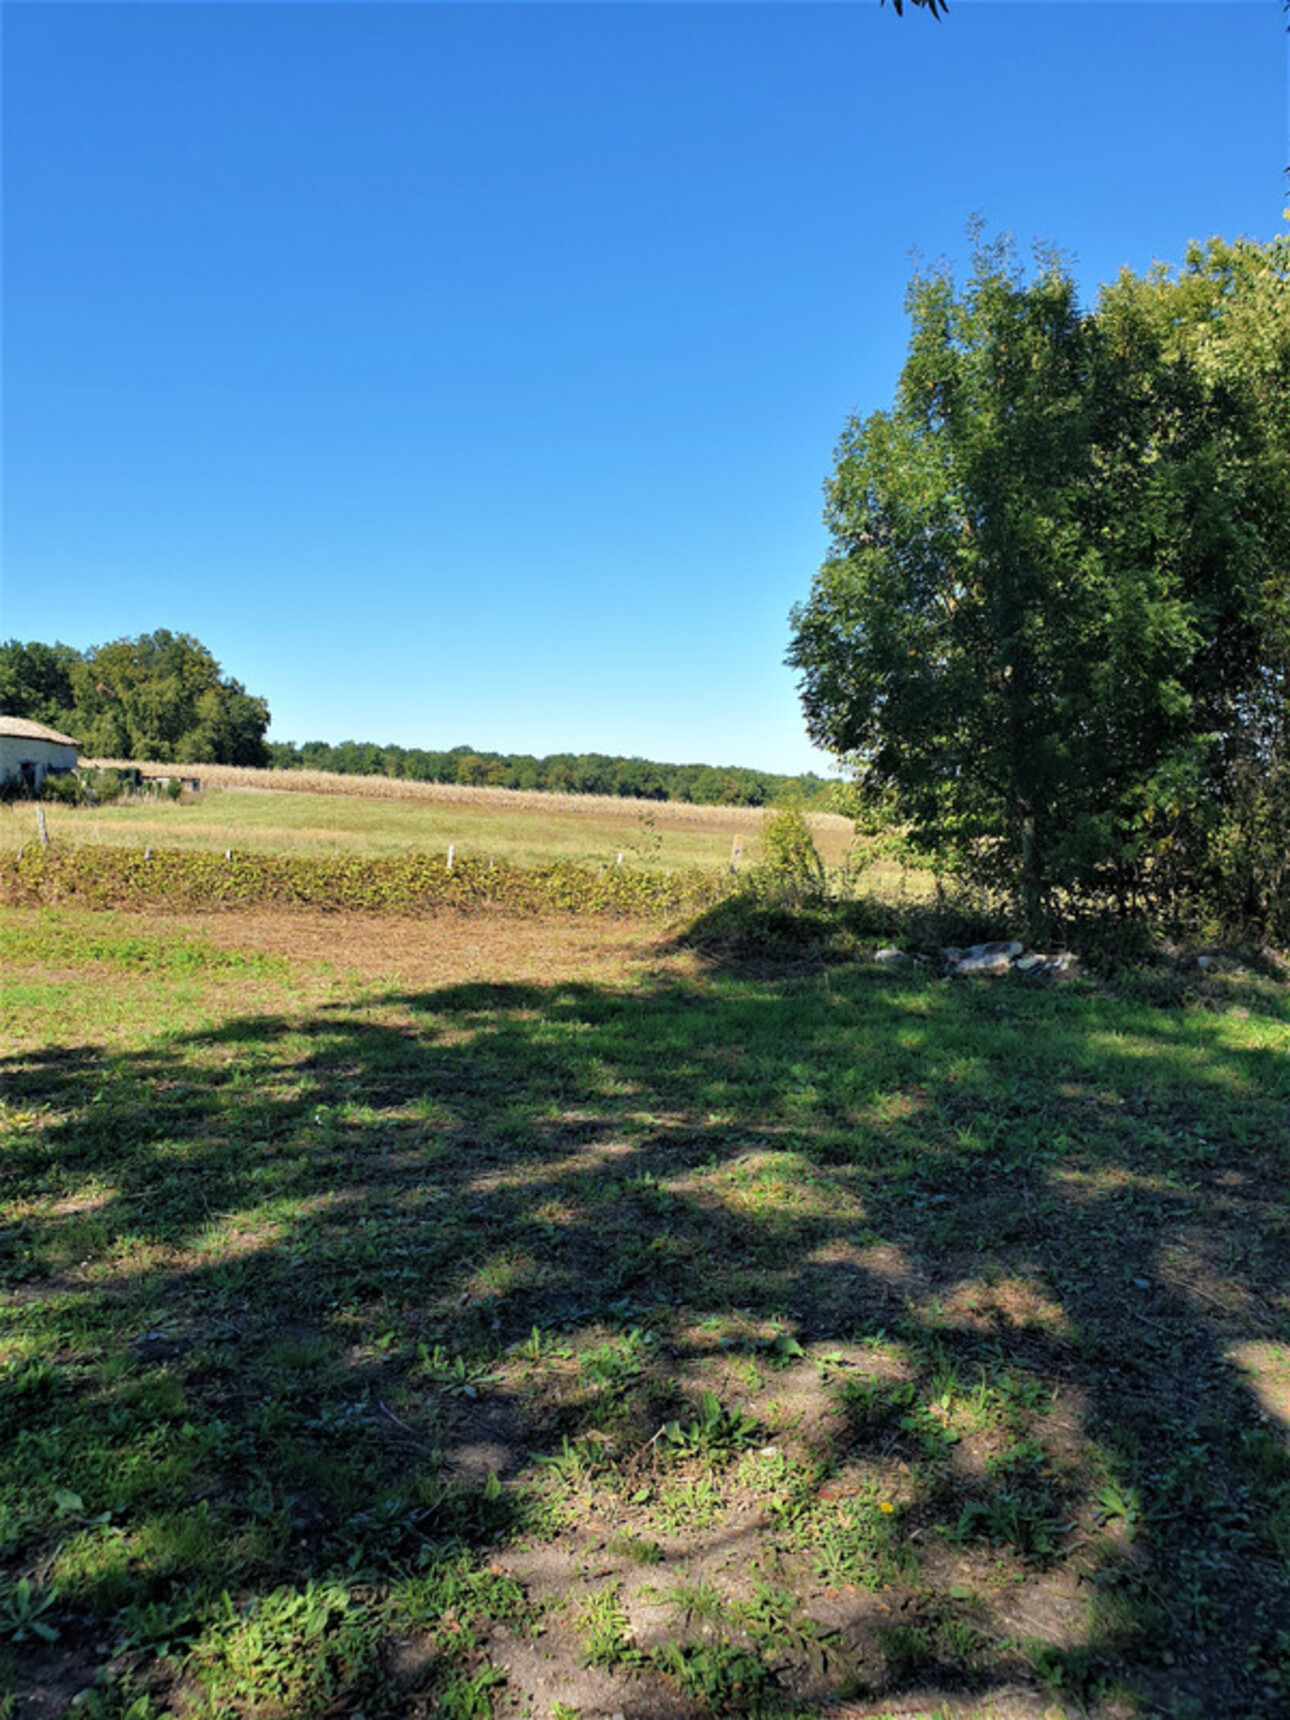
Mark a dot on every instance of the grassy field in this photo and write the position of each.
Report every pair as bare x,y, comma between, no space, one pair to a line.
359,816
473,1317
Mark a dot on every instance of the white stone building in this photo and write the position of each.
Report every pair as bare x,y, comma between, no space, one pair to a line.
30,751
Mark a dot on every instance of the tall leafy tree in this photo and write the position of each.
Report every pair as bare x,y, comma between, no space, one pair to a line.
1223,322
1048,629
36,682
163,696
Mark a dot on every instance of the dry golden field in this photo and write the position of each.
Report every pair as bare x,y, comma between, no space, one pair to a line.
322,813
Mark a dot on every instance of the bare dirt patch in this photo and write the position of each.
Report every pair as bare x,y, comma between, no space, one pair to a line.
441,950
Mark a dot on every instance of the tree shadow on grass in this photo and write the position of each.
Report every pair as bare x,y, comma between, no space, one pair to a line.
286,1294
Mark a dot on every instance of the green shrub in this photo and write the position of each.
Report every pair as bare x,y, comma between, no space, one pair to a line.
789,853
62,788
103,786
102,877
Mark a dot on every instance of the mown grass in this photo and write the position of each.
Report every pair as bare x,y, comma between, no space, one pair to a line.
727,1338
523,829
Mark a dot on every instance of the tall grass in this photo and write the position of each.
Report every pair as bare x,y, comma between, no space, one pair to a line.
280,812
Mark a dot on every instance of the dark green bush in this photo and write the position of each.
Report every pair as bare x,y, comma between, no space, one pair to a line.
62,788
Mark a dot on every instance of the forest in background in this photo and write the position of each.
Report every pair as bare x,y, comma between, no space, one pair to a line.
559,773
163,697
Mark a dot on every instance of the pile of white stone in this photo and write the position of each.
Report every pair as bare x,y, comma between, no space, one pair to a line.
983,958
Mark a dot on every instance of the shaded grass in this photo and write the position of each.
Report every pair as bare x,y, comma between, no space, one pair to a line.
858,1332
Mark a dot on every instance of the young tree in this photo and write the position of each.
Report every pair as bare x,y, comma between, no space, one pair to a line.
1049,625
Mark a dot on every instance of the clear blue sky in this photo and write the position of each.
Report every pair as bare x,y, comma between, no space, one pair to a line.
469,373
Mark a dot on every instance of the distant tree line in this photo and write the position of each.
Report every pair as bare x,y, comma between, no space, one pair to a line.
161,696
565,773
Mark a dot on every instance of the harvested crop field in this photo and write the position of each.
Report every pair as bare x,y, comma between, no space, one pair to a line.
481,1315
312,812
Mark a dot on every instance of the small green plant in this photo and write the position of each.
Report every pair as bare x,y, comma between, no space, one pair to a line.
1024,1458
22,1612
1011,1520
451,1586
116,1699
576,1463
724,1678
1114,1504
701,1600
469,1696
298,1649
775,1623
637,1547
693,1503
880,1404
715,1432
617,1363
162,1628
781,1351
531,1348
1006,1395
1074,1671
856,1544
606,1632
453,1374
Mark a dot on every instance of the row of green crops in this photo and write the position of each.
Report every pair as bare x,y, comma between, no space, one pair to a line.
100,877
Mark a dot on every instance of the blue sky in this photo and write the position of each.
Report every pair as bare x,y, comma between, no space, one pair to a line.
469,373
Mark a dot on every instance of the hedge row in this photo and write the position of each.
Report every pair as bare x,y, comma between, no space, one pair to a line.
100,877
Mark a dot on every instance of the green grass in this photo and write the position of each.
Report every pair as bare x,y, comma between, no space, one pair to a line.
749,1337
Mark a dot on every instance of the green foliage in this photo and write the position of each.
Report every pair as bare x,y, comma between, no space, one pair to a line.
23,1610
1053,631
36,682
557,773
790,856
63,788
606,1632
86,787
637,1547
1010,1519
160,696
722,1677
714,1432
295,1650
115,877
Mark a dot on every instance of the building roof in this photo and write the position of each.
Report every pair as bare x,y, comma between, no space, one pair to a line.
22,728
